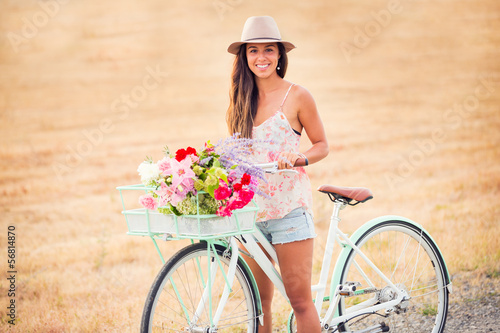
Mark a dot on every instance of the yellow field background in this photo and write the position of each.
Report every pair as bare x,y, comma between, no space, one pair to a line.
408,90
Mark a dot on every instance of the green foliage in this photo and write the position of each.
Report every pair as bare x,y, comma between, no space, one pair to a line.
166,151
429,310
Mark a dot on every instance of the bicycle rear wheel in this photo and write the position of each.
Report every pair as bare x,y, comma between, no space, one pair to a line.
177,291
411,260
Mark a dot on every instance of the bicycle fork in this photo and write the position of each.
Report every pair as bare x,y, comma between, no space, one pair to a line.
215,265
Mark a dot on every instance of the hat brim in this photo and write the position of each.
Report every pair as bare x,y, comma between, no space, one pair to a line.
234,48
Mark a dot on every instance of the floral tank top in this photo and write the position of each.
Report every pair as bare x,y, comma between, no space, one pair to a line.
286,191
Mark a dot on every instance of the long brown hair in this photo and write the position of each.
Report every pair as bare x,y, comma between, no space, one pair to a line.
244,95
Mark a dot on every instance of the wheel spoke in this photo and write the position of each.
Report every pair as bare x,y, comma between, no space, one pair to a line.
404,254
171,309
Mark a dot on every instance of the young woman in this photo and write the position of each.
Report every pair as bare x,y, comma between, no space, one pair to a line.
265,106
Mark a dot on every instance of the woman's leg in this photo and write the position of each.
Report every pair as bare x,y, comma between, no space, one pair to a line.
266,289
295,261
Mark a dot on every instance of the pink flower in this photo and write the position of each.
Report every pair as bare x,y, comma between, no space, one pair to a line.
182,174
165,165
209,147
171,194
177,197
223,191
194,158
164,193
224,211
148,202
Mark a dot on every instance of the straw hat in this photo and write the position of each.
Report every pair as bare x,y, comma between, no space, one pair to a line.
259,29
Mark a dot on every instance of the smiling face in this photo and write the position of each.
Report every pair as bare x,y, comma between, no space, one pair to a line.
262,58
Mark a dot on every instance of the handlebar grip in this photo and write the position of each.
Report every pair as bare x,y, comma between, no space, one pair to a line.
272,167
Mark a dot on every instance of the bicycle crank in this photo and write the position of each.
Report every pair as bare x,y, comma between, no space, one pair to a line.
349,289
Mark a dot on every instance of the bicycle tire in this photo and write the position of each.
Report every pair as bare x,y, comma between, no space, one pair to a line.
166,307
417,267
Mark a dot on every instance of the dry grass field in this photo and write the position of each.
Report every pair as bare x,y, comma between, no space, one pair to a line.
408,90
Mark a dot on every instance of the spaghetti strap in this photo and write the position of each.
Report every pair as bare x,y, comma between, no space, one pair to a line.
284,99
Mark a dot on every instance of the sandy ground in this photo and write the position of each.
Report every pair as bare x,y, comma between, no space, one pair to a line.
408,90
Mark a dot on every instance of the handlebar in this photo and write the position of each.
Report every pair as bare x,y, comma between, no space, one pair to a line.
273,168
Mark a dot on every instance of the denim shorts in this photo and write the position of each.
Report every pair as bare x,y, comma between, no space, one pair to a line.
295,226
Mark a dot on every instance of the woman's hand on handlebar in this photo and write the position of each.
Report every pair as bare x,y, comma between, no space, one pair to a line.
272,167
287,160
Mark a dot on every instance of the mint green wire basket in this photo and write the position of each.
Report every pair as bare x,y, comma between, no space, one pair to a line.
145,222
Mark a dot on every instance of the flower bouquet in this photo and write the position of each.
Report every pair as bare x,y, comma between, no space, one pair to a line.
205,187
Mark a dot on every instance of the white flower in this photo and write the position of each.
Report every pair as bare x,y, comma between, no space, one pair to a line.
148,172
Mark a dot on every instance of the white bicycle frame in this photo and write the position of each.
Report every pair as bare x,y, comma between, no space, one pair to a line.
335,235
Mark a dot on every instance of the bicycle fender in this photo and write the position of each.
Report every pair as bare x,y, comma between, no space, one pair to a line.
361,231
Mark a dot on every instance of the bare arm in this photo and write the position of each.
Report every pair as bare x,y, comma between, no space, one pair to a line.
309,118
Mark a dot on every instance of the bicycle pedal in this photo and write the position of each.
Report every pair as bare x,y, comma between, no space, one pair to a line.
348,288
351,290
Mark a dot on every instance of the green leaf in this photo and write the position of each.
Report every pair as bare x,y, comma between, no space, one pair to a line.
211,189
175,211
224,178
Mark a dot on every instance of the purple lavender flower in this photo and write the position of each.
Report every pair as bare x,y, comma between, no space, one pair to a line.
236,151
205,161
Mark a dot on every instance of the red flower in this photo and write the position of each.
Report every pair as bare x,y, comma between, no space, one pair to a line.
245,180
237,186
182,153
240,200
224,211
246,196
222,192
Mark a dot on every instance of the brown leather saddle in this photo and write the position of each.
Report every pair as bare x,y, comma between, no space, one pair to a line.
347,194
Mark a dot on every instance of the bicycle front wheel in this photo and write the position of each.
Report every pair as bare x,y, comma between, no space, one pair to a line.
178,300
410,259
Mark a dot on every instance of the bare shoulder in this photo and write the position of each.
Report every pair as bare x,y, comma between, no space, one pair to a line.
303,99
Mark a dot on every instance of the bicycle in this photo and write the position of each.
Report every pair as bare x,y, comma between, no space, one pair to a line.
208,287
